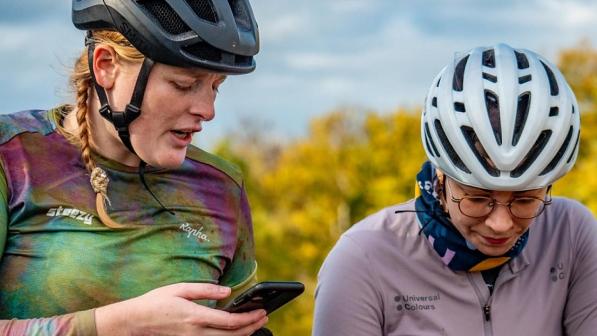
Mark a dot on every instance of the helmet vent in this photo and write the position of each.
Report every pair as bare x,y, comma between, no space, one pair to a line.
574,149
428,146
490,77
448,147
556,159
479,151
459,107
204,9
457,81
429,140
165,16
204,51
521,60
532,155
553,85
554,111
522,112
489,58
573,109
241,14
524,79
438,81
493,111
434,101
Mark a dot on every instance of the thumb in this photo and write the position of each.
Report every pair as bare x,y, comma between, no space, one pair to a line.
198,291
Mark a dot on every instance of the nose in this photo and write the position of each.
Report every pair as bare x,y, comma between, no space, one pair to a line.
202,104
500,219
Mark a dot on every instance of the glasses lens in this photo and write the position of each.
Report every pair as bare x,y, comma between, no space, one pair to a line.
527,207
476,206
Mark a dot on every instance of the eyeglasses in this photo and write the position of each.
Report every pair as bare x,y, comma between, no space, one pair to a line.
478,206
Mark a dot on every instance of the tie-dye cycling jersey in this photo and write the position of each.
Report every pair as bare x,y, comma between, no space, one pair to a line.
59,258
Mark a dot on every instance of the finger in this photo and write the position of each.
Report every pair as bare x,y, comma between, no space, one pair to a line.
250,329
245,331
219,319
196,291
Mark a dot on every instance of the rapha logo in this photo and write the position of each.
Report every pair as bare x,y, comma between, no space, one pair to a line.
198,233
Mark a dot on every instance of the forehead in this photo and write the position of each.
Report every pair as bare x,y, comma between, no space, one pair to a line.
470,189
190,72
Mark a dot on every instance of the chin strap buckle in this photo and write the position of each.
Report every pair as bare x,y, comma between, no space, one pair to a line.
131,112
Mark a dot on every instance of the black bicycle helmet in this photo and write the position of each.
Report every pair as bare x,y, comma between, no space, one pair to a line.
220,35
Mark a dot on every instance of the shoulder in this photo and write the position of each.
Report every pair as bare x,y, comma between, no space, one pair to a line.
567,212
380,235
566,225
200,156
32,121
394,222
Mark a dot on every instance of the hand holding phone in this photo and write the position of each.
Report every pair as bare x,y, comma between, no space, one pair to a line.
269,295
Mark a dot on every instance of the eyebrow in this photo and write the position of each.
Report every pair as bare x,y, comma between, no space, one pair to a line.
197,73
467,189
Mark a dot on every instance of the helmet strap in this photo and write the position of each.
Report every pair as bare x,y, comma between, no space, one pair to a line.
120,119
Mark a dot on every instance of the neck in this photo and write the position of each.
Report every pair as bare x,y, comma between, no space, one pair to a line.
103,137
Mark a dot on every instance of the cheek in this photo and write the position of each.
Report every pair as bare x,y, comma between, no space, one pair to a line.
460,221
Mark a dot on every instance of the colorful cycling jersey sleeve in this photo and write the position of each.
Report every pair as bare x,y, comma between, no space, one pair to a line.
59,258
3,209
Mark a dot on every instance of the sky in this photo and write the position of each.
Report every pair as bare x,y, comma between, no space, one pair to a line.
316,55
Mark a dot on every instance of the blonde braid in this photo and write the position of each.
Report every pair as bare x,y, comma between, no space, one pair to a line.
82,82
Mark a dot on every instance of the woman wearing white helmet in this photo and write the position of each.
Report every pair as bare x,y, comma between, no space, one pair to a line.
483,249
163,225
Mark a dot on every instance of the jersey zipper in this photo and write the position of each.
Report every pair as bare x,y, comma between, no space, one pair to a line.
487,312
484,304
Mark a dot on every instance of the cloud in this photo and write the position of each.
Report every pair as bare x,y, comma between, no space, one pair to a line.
315,54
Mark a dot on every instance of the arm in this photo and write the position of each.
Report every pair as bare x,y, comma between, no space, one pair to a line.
580,314
241,274
346,300
76,324
3,210
80,323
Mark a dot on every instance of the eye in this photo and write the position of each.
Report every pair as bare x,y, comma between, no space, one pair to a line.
183,87
479,199
523,201
216,85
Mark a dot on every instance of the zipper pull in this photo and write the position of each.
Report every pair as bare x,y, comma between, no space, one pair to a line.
487,312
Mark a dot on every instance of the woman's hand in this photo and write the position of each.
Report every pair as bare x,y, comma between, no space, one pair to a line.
169,310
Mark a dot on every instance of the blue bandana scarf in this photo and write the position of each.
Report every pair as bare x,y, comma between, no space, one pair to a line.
455,251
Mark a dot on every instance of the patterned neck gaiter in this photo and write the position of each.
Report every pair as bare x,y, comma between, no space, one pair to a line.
455,251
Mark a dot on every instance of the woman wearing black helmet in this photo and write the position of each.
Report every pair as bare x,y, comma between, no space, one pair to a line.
110,221
483,249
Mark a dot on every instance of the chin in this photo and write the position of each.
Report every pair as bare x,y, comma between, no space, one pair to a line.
494,251
168,162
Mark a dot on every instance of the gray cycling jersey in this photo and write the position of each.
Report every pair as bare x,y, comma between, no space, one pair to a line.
384,278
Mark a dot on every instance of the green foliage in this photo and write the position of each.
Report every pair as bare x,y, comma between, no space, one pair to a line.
305,193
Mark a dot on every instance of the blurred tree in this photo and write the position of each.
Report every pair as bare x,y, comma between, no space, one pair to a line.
305,193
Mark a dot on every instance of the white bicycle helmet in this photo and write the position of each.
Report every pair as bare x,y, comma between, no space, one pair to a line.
500,118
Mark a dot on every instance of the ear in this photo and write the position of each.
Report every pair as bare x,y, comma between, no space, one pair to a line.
441,187
105,65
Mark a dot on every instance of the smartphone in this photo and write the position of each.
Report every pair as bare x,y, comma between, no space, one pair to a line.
269,295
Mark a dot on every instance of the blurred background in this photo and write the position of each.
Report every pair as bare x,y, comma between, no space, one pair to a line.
326,130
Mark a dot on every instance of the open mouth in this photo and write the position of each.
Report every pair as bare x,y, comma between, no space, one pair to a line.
182,134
